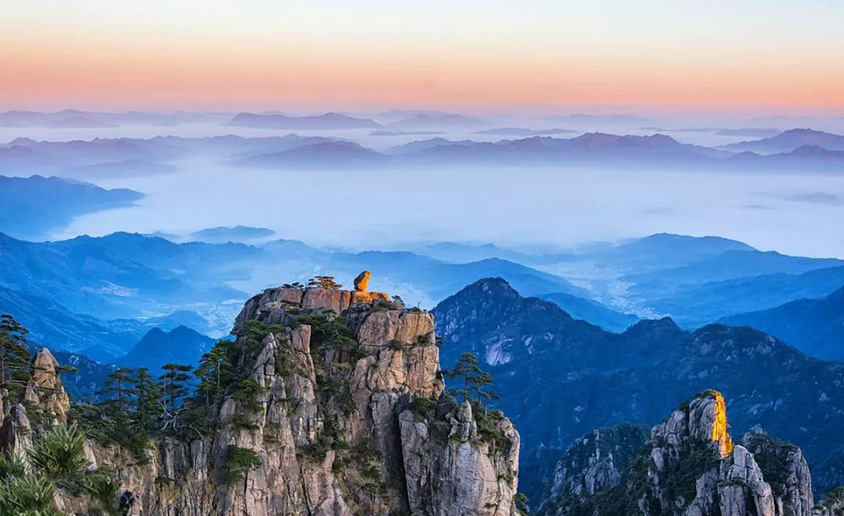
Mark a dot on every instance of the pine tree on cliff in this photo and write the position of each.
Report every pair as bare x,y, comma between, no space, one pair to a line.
14,357
149,402
118,390
175,389
476,382
326,282
213,373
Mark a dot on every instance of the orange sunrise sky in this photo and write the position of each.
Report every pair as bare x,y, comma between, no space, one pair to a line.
481,55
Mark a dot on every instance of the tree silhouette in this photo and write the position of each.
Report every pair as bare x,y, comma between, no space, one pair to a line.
149,402
14,356
175,390
476,382
326,282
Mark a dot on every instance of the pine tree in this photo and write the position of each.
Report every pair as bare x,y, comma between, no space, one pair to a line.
326,282
149,402
175,390
14,356
476,382
213,367
117,391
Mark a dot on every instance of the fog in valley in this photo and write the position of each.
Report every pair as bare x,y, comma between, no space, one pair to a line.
523,205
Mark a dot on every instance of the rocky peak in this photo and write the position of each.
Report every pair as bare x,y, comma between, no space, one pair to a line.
339,405
689,466
45,389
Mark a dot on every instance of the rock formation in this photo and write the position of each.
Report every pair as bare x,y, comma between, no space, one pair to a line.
345,414
690,466
593,463
362,281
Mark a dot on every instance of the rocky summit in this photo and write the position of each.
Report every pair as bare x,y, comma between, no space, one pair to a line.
338,409
688,466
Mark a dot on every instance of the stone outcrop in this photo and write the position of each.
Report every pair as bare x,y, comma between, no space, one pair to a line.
347,416
785,469
690,466
46,390
361,282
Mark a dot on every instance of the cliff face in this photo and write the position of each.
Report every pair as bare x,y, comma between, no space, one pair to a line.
346,416
690,466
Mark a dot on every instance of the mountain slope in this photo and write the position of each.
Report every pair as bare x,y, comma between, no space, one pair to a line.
539,352
592,311
694,305
123,275
815,326
31,207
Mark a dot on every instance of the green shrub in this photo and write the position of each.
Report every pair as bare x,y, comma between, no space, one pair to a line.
102,485
11,466
58,453
25,495
238,462
423,407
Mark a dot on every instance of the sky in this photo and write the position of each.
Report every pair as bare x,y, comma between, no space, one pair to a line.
479,55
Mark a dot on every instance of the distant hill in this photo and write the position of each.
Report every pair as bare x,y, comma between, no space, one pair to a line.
815,326
791,140
589,147
181,345
667,250
124,275
699,304
51,324
422,145
327,121
329,154
30,207
806,156
223,234
732,264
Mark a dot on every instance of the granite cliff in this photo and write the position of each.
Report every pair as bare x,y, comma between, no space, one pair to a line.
338,408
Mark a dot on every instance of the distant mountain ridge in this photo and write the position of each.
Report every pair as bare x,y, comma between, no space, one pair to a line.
30,207
814,325
324,121
790,141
